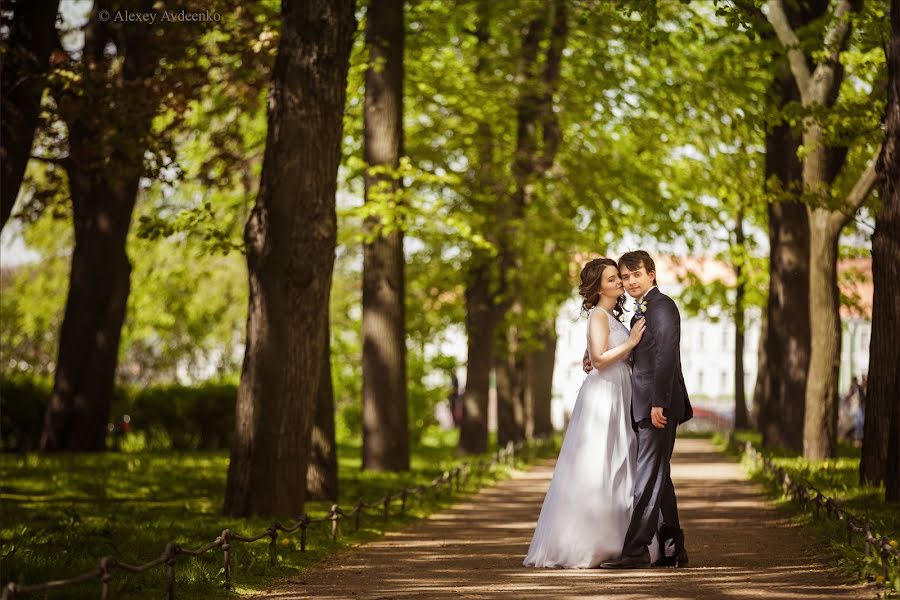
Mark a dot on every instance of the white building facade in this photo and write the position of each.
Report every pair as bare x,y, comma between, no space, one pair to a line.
707,353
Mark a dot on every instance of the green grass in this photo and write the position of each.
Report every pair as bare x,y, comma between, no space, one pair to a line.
60,514
836,478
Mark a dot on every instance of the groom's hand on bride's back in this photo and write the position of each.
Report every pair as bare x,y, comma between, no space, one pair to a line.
586,363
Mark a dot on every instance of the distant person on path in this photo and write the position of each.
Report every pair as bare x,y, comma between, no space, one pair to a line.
848,409
859,411
455,399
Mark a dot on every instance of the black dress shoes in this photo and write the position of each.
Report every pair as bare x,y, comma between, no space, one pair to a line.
680,556
628,562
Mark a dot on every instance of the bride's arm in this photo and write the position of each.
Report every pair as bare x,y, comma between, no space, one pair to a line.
599,337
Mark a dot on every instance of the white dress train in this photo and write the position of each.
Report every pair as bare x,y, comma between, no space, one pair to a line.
587,509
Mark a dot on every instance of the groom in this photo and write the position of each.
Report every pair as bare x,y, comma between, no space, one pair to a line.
659,403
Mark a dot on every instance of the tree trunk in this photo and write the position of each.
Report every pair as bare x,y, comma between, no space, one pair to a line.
291,237
385,420
819,171
786,340
820,429
537,141
788,343
741,421
483,286
819,86
482,319
490,290
762,371
31,38
104,167
539,366
510,372
77,415
322,473
880,461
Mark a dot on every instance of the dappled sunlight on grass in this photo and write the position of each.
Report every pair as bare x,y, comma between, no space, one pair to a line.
59,514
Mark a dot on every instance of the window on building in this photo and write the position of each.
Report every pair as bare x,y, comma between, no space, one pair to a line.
724,381
699,380
725,335
700,340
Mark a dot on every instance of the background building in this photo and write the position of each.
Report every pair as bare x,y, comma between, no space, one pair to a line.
707,344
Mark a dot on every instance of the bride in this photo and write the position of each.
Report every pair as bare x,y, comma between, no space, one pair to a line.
588,507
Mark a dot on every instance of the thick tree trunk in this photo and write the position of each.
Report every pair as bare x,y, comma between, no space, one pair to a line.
762,371
482,319
291,237
820,168
99,284
104,167
509,370
482,284
819,86
539,366
385,419
322,473
820,430
489,291
880,461
741,420
787,344
786,340
31,38
819,171
537,140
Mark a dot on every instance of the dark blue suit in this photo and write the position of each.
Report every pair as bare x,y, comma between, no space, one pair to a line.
656,378
657,381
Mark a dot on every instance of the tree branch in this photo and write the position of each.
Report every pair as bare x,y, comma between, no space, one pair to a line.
782,26
859,193
839,32
836,38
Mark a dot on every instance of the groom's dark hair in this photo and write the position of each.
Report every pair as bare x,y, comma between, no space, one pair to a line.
636,259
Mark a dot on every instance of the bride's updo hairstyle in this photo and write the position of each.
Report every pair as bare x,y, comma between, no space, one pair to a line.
590,285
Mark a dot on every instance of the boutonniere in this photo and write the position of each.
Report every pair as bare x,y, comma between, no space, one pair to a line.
640,308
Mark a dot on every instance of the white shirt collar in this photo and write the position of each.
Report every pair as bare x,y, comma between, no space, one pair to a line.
645,295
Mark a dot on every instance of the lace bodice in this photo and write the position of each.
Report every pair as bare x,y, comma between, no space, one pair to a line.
618,333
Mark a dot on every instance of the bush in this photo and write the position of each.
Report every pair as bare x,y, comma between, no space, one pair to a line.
168,417
181,417
23,400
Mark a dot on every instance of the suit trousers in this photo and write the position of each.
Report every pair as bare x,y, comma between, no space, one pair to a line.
653,489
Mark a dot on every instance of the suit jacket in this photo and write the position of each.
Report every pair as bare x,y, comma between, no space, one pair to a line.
656,377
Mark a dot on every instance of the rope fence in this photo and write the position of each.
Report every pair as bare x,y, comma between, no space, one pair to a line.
807,495
446,485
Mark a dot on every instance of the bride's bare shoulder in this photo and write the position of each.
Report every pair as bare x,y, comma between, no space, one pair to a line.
597,318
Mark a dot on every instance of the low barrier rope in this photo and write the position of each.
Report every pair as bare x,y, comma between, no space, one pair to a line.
450,482
806,494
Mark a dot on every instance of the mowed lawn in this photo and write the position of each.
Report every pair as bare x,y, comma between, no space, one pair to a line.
59,515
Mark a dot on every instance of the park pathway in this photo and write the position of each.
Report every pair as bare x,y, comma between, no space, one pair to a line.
740,547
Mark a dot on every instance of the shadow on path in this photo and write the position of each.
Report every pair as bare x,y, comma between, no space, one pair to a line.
740,547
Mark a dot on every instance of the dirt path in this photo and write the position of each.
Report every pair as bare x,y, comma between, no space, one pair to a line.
740,547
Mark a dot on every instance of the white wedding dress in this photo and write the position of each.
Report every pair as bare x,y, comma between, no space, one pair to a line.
588,507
